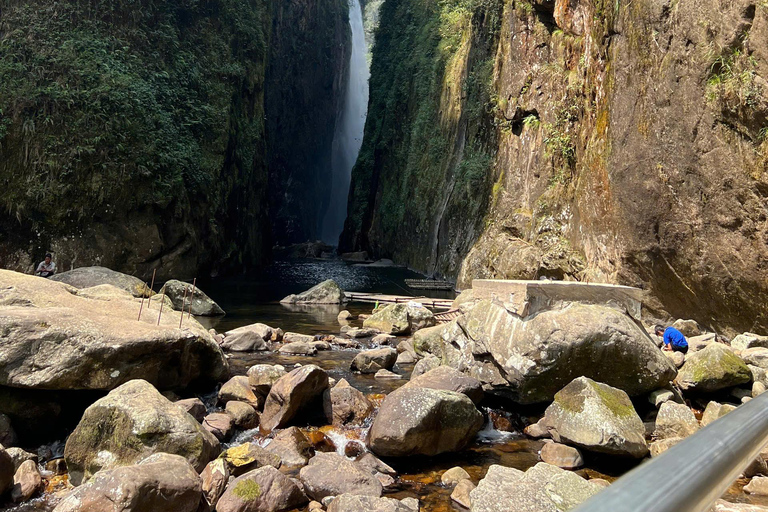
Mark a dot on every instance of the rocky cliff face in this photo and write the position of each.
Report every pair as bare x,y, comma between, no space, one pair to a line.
308,60
627,144
133,135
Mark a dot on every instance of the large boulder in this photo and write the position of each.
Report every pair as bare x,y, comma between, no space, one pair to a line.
675,420
248,338
26,482
160,483
7,471
450,379
346,405
331,474
371,361
543,488
129,424
422,421
192,298
87,277
262,490
239,389
749,340
292,447
597,417
539,355
400,319
355,503
712,368
56,340
327,292
262,377
300,389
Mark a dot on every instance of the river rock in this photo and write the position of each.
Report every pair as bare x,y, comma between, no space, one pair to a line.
400,319
358,333
714,411
7,471
453,476
355,503
660,396
427,363
219,424
383,339
344,316
262,490
214,479
422,421
371,361
192,298
537,430
445,377
59,341
562,456
294,337
701,342
658,447
727,506
249,456
347,405
461,493
405,358
193,406
26,482
262,377
675,420
689,328
331,474
757,356
7,433
298,348
292,446
87,277
292,393
677,358
540,354
543,488
160,483
130,423
597,417
749,340
386,375
18,456
758,485
239,388
248,338
243,415
327,292
712,368
321,345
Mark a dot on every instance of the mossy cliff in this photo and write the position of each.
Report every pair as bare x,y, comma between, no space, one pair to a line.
133,134
621,142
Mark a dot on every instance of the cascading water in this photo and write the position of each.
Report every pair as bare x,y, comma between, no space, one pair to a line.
349,128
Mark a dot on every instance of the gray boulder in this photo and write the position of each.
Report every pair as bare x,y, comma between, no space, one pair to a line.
346,405
597,417
562,456
262,490
331,474
354,503
675,420
371,361
689,328
712,368
298,348
536,356
129,424
60,341
87,277
160,483
248,338
400,319
749,340
192,298
543,488
297,390
422,421
327,292
450,379
427,363
262,377
714,411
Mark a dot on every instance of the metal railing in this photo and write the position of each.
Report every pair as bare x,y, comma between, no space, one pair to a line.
691,475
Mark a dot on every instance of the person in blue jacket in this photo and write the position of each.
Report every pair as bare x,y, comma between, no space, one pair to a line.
673,339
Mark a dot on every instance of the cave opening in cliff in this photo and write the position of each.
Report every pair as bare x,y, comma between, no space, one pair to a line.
348,137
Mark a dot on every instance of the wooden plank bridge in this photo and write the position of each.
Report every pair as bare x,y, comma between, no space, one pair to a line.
399,299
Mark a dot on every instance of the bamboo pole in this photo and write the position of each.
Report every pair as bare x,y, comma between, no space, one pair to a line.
141,307
183,301
194,283
151,288
162,303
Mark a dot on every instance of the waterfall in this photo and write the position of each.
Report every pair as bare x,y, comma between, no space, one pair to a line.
349,128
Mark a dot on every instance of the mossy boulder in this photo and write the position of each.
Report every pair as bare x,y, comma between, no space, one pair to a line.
327,292
129,424
713,368
192,298
400,319
262,490
598,418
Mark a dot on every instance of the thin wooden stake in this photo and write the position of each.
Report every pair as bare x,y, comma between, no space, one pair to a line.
162,303
141,307
151,288
194,282
183,301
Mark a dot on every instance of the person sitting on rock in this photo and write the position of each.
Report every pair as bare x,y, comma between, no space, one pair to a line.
673,339
46,268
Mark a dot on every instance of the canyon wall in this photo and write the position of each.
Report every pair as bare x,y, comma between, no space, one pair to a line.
589,140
